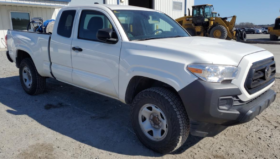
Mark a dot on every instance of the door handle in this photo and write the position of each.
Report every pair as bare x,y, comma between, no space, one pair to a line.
77,49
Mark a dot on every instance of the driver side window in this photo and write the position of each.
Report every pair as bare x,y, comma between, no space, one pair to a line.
90,23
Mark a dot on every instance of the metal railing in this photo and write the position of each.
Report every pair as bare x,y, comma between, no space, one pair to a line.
37,2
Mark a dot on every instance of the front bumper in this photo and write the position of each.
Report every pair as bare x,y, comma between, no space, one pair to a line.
201,100
8,56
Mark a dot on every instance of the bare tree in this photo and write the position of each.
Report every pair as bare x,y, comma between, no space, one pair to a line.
245,25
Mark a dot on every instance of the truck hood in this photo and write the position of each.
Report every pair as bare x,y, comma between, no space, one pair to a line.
200,49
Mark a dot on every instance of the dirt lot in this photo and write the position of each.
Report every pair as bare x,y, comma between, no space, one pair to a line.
67,122
261,38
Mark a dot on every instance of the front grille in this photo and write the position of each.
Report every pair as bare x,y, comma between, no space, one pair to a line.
261,74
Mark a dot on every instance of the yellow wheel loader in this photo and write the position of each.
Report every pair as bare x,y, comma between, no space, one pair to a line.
275,31
204,22
214,14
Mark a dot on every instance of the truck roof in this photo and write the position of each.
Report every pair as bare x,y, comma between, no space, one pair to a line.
112,7
202,5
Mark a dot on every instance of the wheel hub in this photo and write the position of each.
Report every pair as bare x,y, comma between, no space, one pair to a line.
155,121
217,33
27,77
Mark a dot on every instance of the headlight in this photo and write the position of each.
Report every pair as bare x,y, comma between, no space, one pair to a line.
213,73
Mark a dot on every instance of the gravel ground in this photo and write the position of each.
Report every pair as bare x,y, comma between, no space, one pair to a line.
261,37
67,122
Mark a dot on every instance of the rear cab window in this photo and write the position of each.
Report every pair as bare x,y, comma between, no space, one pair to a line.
65,24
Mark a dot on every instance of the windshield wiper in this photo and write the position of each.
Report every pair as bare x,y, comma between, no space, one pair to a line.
146,39
151,39
157,38
178,36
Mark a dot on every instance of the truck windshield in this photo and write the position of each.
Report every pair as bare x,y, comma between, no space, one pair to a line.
146,25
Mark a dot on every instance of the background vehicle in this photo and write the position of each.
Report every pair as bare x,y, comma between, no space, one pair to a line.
275,31
202,23
258,31
250,31
265,30
177,84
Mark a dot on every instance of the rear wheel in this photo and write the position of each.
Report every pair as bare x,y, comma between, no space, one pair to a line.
273,37
159,120
219,32
31,81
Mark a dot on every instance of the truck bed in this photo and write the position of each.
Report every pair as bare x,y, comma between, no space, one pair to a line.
36,44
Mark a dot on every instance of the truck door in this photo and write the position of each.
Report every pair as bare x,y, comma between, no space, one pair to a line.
60,46
95,63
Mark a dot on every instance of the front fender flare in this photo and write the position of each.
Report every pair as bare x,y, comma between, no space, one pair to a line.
175,81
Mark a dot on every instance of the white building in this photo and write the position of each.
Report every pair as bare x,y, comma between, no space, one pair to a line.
174,8
16,14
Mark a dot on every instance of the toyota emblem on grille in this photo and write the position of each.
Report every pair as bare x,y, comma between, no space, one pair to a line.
267,72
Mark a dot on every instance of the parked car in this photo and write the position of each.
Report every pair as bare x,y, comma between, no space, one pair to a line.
258,31
249,31
265,30
177,84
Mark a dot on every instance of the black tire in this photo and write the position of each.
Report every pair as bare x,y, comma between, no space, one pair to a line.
241,35
191,31
222,29
176,116
38,84
273,37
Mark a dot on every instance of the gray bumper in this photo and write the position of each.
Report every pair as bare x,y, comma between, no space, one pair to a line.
201,100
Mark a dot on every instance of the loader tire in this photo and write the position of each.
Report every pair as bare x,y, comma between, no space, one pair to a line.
243,36
219,32
273,37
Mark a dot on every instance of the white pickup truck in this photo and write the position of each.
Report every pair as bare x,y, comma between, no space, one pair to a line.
177,84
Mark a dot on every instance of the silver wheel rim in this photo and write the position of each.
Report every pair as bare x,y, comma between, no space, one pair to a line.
27,77
153,122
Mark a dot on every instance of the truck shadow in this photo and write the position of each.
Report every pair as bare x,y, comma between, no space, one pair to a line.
86,117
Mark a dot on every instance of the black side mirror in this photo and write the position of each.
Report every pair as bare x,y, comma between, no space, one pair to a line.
107,36
218,14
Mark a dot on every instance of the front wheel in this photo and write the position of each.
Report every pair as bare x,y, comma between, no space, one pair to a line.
160,120
31,81
273,37
219,32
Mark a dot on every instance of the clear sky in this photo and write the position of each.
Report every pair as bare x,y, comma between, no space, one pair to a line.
254,11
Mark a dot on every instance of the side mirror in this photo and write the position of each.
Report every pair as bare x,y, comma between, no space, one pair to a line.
218,14
107,36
